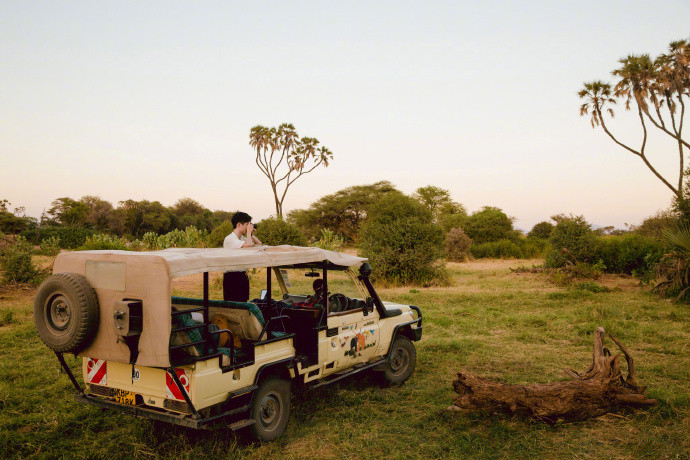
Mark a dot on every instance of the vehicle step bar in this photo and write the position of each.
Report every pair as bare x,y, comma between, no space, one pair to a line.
328,381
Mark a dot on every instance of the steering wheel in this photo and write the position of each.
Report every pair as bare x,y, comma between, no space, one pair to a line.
338,303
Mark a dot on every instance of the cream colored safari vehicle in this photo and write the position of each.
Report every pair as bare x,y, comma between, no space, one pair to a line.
201,362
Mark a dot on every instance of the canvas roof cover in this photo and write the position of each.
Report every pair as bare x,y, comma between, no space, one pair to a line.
187,261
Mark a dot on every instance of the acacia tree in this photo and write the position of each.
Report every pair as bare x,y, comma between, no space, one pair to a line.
657,89
439,202
341,212
283,157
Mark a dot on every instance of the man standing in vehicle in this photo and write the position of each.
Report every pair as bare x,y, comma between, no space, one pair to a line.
236,284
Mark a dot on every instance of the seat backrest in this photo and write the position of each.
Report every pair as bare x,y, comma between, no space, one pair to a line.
243,323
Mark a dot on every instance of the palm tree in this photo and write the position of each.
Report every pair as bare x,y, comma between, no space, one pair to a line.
598,101
654,86
283,157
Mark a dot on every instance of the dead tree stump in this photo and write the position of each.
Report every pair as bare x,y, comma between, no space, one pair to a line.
598,390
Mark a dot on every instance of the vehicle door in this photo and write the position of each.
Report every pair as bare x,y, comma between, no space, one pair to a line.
354,337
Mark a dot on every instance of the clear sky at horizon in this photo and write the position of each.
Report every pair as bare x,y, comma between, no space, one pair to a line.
154,100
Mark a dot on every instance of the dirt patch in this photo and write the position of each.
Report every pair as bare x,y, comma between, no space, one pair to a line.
625,283
494,264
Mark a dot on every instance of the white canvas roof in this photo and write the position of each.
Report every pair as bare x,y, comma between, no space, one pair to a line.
187,261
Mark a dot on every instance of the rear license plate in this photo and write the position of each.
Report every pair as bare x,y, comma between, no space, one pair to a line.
125,397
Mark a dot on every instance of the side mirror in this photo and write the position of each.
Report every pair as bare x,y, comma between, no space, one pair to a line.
368,306
365,269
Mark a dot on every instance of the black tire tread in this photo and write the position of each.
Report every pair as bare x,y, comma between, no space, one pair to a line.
389,379
255,431
87,301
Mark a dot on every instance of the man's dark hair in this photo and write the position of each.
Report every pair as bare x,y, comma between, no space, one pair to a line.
240,218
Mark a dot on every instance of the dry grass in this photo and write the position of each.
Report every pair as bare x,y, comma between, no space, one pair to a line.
515,327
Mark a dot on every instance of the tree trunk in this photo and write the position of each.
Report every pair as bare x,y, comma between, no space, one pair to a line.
600,389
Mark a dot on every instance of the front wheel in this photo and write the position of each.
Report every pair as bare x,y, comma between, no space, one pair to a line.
401,362
270,409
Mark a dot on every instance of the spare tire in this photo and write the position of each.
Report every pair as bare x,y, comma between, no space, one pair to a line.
66,312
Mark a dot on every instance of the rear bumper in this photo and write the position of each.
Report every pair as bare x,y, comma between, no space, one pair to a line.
189,421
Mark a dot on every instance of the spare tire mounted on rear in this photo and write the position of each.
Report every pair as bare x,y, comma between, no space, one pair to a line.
66,312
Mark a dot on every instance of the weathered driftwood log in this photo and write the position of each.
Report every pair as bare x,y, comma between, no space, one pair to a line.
600,389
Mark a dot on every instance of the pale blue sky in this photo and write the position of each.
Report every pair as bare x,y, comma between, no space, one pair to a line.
154,100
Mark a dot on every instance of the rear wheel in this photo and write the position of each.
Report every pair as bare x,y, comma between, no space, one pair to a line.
270,409
401,362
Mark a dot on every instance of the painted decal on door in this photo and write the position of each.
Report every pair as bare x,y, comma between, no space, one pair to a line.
354,345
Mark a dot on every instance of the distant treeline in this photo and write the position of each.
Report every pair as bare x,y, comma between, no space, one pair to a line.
406,236
342,214
130,218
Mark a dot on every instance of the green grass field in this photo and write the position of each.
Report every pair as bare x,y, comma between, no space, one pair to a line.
515,327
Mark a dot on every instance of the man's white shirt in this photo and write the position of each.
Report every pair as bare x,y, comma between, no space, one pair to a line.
233,242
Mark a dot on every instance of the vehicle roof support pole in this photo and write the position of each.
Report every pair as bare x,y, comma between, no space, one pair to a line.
268,286
205,329
325,284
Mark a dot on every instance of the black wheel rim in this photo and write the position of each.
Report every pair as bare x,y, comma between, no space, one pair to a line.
399,360
58,313
270,409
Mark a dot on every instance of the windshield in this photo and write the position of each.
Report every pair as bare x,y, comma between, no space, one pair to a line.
302,282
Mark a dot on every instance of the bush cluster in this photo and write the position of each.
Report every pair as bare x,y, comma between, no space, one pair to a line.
16,263
630,253
571,241
102,241
217,236
329,240
541,230
50,246
191,237
401,241
487,225
523,248
274,232
457,245
69,237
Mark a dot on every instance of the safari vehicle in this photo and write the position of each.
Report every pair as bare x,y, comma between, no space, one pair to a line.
204,363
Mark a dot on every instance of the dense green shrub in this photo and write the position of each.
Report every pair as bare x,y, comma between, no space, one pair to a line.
523,248
629,253
489,224
70,237
50,246
102,241
541,230
450,221
274,232
653,226
191,237
572,240
457,245
401,241
329,240
674,267
9,223
215,240
17,266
